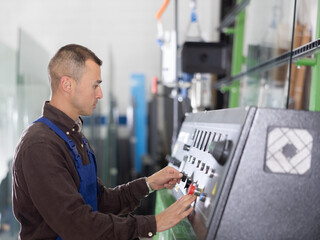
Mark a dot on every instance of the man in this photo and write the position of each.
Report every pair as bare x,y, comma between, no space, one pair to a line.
56,194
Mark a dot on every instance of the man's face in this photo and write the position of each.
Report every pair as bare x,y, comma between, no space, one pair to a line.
87,90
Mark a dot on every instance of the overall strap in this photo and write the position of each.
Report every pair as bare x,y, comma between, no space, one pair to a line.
90,152
92,159
71,145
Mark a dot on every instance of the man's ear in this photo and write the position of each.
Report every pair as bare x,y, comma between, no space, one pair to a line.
66,83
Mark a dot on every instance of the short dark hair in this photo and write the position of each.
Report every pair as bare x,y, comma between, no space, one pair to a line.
69,61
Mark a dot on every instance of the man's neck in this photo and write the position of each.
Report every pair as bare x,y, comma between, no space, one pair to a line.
64,107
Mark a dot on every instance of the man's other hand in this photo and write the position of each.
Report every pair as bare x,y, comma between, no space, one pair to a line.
175,213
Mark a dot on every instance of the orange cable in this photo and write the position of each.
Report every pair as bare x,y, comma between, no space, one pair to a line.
163,7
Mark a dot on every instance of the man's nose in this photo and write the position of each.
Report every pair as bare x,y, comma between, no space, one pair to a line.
99,93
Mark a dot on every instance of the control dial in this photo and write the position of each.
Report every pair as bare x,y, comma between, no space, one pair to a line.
220,150
184,176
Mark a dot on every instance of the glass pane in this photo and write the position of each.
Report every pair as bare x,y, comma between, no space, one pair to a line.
8,110
265,89
23,89
306,22
268,30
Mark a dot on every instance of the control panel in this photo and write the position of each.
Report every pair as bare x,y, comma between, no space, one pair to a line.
202,153
254,172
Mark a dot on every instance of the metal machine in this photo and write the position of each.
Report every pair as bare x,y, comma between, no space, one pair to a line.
255,172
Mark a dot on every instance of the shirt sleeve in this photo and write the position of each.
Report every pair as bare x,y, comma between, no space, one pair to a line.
54,193
122,199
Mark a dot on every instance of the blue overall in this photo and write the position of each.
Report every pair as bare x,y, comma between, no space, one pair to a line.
88,174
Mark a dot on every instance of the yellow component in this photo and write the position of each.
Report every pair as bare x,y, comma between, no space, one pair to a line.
214,189
175,148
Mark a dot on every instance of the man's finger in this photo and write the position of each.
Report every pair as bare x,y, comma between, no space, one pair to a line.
187,212
175,173
188,199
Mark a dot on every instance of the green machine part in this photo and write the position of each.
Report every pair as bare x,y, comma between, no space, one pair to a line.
314,98
183,230
237,58
314,104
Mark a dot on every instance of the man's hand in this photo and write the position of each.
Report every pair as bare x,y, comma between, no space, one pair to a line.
175,213
165,178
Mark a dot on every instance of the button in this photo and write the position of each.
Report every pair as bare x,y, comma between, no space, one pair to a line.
67,133
194,190
202,166
150,234
191,189
212,173
81,145
198,164
202,197
73,129
186,147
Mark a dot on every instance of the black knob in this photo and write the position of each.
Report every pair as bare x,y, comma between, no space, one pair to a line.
184,177
189,181
220,150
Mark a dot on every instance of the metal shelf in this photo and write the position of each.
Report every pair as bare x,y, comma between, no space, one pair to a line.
303,51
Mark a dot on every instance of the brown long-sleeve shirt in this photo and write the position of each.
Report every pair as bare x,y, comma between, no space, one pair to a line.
46,200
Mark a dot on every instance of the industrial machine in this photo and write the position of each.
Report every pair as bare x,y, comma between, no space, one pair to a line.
255,172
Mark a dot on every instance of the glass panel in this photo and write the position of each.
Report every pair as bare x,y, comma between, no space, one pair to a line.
268,30
23,89
8,132
306,22
265,89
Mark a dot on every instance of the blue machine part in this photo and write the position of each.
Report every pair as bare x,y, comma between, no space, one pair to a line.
140,118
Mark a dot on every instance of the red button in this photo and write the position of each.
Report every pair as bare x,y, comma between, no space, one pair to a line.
191,189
